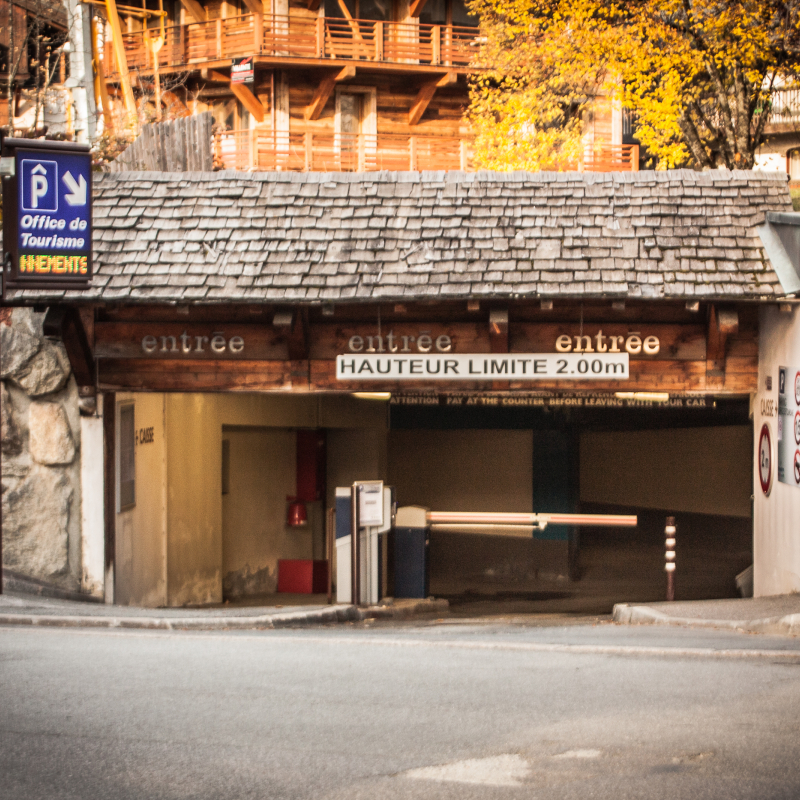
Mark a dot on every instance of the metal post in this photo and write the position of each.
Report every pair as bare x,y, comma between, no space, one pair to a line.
329,547
669,532
355,555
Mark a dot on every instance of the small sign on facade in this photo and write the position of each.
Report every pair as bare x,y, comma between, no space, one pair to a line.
243,70
47,208
370,504
789,426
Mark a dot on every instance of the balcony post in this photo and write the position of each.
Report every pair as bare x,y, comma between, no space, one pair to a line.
462,155
379,41
253,148
635,158
412,153
258,33
218,27
362,162
436,44
320,35
309,143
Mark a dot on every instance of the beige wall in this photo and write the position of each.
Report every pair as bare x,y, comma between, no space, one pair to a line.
254,530
700,470
462,470
141,542
776,519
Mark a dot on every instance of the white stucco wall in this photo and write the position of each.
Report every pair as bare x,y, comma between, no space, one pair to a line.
776,523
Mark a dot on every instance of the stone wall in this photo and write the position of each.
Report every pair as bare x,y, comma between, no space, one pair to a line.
40,453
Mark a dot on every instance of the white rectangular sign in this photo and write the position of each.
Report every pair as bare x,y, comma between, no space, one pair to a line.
370,504
482,366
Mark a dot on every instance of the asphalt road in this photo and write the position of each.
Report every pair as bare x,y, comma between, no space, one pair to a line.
399,711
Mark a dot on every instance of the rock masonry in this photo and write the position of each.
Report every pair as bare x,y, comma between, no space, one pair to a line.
40,453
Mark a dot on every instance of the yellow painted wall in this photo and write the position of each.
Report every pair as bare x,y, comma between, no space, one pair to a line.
699,470
462,470
175,546
141,556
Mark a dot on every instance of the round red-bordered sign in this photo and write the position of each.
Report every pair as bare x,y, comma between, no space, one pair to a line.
797,467
765,459
797,388
797,427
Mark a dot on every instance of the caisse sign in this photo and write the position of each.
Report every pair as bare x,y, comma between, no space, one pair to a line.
765,459
789,426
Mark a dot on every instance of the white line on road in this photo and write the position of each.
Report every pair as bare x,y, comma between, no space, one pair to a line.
270,636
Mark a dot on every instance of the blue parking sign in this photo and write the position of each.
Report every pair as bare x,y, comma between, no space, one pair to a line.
39,185
49,238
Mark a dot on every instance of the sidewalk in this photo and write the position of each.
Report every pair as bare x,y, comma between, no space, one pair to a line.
24,609
777,615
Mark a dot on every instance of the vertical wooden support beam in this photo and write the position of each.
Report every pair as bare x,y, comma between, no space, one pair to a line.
379,41
436,44
309,143
412,153
100,87
319,33
258,31
110,487
122,61
218,36
722,323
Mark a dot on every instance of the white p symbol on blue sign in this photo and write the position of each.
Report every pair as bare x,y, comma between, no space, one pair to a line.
39,185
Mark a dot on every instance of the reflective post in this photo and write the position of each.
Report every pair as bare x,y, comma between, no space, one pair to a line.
669,566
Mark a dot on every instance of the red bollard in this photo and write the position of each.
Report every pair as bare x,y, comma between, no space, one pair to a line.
669,532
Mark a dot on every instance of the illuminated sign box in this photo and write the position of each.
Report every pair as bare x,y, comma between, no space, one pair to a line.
47,208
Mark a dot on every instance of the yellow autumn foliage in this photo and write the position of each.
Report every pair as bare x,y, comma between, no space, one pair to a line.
697,74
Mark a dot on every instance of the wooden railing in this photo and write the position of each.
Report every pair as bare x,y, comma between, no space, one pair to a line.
260,149
300,37
611,158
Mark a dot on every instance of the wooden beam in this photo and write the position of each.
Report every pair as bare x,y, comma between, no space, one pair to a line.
416,7
298,338
100,87
249,100
121,59
65,325
313,5
722,323
324,90
255,6
195,9
426,94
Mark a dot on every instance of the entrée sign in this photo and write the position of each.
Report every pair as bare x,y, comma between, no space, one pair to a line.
479,366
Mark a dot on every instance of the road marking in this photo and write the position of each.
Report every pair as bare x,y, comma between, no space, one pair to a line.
270,636
580,754
505,770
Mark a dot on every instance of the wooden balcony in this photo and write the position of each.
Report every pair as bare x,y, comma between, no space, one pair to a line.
301,38
611,158
260,149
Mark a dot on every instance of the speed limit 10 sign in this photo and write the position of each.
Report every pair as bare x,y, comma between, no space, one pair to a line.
765,459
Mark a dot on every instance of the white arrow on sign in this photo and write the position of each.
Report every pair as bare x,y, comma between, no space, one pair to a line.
77,196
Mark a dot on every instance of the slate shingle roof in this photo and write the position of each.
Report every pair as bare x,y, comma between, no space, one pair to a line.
280,237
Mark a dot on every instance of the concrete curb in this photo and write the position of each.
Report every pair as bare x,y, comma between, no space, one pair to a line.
333,614
625,614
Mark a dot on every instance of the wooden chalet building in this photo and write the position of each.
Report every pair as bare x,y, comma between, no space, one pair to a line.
337,85
533,342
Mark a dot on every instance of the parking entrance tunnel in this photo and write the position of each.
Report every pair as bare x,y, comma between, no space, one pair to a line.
640,457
